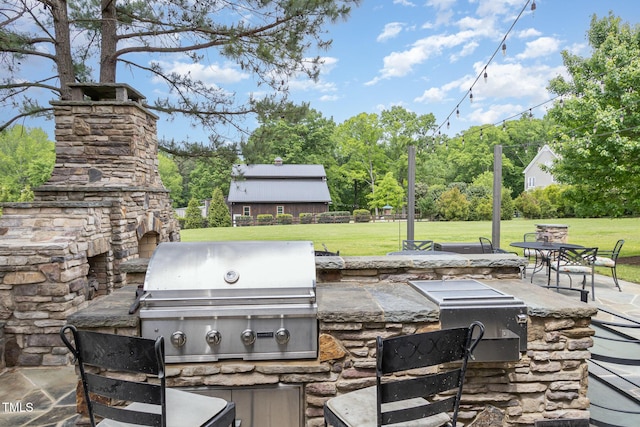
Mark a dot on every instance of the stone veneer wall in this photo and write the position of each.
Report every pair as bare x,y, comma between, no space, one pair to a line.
558,233
104,197
549,381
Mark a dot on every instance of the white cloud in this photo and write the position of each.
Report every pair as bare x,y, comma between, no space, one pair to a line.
404,3
390,31
542,46
213,74
329,98
433,94
529,32
494,113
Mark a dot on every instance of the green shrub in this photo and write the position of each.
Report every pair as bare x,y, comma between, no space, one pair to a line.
264,219
361,215
218,215
193,215
244,220
284,219
453,205
334,217
306,218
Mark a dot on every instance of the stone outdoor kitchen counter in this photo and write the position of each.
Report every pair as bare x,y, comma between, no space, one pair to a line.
356,302
360,298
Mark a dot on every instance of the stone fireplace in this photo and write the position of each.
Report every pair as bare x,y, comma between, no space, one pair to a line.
103,205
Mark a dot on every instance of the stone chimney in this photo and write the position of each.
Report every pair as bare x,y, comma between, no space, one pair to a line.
104,206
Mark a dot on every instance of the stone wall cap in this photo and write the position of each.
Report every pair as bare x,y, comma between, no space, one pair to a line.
108,311
57,204
98,189
134,265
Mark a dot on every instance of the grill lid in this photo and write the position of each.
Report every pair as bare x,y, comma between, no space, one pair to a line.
238,265
464,294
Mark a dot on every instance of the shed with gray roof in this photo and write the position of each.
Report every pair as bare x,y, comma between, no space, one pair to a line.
278,189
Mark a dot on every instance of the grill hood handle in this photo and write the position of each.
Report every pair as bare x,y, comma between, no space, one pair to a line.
136,304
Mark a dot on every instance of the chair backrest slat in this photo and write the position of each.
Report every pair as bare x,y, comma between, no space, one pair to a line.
116,388
419,350
428,385
116,351
418,412
576,256
417,245
116,413
486,245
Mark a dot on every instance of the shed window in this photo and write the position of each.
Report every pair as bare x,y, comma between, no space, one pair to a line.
246,210
280,210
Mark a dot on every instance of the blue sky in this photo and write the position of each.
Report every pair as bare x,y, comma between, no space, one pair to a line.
425,55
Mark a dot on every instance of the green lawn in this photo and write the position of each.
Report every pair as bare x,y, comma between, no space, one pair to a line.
381,237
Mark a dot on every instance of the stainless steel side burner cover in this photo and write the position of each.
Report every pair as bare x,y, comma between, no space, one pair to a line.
463,301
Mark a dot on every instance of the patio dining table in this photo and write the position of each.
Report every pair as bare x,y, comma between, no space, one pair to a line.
546,250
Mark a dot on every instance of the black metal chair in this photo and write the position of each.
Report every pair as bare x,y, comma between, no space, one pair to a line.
148,403
531,254
487,247
574,261
400,397
417,245
609,259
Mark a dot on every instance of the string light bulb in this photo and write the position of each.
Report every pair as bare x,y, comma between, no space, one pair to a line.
533,6
504,49
486,76
470,95
458,111
448,124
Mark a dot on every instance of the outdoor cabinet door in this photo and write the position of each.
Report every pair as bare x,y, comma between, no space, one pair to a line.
279,406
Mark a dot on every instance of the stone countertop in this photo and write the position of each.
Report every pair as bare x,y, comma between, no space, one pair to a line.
399,302
110,311
354,302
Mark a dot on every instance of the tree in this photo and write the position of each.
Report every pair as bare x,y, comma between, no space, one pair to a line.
210,173
388,192
267,40
302,138
27,158
218,215
360,155
171,179
598,123
193,215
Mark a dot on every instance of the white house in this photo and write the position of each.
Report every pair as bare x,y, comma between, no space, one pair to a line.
534,176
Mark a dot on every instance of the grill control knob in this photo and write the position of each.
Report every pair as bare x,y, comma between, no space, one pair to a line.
213,337
282,336
248,337
178,339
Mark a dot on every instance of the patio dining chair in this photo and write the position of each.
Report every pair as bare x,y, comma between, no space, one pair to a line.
417,245
610,259
574,261
399,397
148,403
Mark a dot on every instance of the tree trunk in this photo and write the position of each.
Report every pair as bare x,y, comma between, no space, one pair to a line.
109,41
64,60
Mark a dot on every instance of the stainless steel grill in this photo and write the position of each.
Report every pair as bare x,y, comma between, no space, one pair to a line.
232,300
463,301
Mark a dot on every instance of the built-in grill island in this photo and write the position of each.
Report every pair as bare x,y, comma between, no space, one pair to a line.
250,300
463,301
